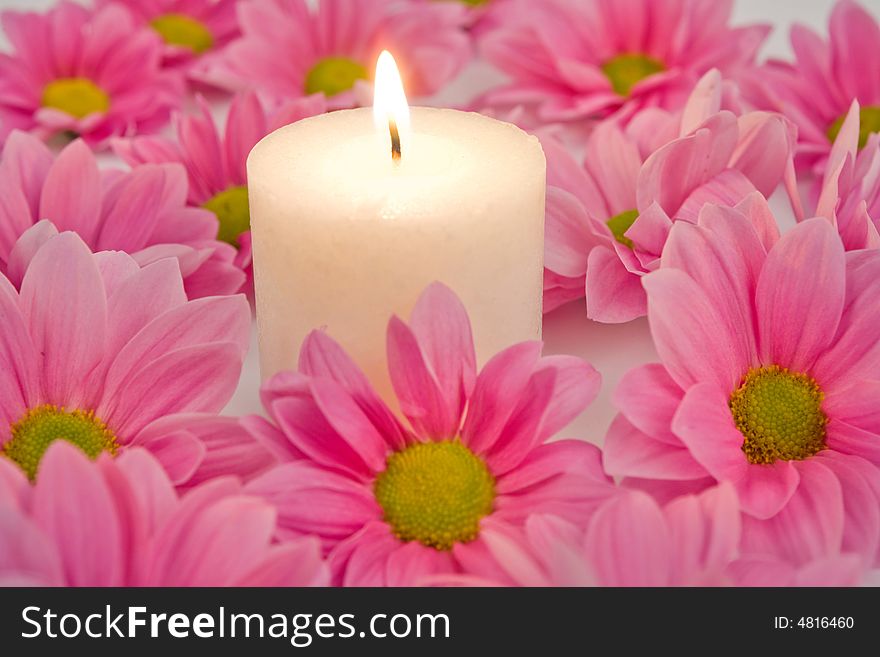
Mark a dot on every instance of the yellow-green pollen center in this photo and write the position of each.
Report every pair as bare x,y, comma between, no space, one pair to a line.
78,97
333,75
435,493
183,31
473,3
869,122
233,213
41,426
625,71
779,413
619,224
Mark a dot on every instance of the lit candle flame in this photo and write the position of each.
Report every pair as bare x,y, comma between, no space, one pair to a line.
390,109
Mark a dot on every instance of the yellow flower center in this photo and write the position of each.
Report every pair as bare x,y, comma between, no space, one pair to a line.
233,213
619,224
869,122
625,71
78,97
474,3
41,426
779,413
183,31
333,75
435,493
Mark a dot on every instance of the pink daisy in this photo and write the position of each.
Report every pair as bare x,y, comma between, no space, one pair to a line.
607,221
216,162
594,58
850,188
142,212
289,50
119,522
816,91
394,504
770,357
106,354
477,16
190,29
92,74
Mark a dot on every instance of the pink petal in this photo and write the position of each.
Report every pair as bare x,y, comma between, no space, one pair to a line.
632,453
71,196
19,384
806,266
706,350
74,507
648,397
27,555
321,356
413,563
295,563
614,295
26,248
63,300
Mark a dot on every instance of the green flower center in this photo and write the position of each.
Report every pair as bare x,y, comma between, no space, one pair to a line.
473,3
41,426
183,31
333,75
435,493
233,213
619,224
625,71
78,97
780,415
869,122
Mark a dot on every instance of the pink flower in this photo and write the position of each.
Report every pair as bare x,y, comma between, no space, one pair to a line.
395,504
216,164
607,221
106,354
595,58
288,51
770,353
190,29
631,540
477,16
142,212
850,189
816,91
119,522
95,75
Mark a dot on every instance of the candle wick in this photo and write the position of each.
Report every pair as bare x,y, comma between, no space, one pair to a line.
395,140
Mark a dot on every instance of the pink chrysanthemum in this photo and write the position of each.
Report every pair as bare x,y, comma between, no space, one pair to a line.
395,504
594,58
849,191
119,522
608,220
633,541
106,354
770,357
142,212
190,29
216,163
72,71
816,91
289,50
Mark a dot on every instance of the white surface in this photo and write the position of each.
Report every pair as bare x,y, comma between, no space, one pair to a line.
612,349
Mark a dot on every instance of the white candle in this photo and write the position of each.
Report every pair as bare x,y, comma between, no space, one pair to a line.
345,233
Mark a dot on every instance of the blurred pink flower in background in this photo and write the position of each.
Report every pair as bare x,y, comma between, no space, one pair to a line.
190,29
288,51
142,212
607,221
393,503
595,58
770,356
93,74
119,522
849,190
817,90
215,161
96,349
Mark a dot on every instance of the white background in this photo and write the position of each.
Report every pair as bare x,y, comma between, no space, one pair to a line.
612,349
